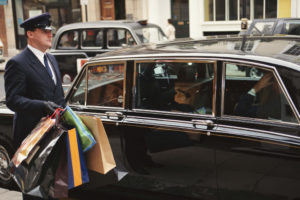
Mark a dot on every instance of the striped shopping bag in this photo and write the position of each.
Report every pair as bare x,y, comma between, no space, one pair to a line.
77,170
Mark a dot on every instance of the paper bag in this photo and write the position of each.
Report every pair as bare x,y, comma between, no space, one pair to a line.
100,158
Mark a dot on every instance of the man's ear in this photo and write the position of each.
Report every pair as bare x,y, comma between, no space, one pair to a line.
29,34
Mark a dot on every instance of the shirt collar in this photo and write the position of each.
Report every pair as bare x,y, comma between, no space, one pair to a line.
39,54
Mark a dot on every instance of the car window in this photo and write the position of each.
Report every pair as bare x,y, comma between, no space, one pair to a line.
104,86
256,94
150,35
175,86
292,27
119,38
92,38
69,40
262,28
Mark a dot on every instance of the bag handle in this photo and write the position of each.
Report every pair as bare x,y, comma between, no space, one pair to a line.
56,114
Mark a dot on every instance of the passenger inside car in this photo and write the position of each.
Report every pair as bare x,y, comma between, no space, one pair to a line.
70,42
88,38
178,87
262,100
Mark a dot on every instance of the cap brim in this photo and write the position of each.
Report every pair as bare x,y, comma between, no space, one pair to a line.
48,28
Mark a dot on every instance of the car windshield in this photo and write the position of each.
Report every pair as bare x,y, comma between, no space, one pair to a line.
262,28
150,35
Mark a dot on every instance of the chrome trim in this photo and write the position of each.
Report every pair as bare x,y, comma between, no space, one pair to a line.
259,130
191,55
223,88
265,67
86,67
214,100
173,113
86,84
231,117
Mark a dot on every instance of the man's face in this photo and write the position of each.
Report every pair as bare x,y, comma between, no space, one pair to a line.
40,39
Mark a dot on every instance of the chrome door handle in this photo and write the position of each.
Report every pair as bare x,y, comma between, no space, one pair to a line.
117,115
208,123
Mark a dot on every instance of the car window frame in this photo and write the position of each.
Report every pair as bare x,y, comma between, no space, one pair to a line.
172,60
118,28
92,47
279,81
84,74
69,48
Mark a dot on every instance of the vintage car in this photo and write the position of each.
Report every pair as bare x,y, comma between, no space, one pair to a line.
273,26
187,124
74,43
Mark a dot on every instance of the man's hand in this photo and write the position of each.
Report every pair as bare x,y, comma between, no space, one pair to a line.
50,107
265,81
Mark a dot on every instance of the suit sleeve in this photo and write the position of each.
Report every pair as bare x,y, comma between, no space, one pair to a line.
245,106
15,89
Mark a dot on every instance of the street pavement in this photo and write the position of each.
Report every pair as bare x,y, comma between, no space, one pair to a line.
6,194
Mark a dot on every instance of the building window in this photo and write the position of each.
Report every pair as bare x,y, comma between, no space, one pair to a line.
226,10
62,12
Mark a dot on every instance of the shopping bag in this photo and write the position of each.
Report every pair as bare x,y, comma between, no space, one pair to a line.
77,171
36,177
60,185
86,137
100,158
33,138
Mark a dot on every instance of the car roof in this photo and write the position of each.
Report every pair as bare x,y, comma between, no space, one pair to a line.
105,24
276,19
281,50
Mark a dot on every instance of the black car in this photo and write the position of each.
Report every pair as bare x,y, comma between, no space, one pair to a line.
179,118
74,43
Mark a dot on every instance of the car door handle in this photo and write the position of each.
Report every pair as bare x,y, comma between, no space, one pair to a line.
114,115
208,123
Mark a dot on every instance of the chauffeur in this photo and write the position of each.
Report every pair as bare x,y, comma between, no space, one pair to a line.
32,80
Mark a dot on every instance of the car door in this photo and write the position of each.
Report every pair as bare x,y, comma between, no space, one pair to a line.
257,143
170,114
98,91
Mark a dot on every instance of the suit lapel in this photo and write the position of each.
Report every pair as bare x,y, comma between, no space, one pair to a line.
35,63
55,68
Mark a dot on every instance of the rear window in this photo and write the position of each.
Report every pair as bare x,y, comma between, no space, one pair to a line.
92,38
292,27
69,40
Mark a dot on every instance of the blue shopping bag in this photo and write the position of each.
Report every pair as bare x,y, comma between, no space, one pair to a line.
86,137
77,170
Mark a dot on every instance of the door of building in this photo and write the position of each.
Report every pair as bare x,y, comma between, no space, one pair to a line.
180,17
107,9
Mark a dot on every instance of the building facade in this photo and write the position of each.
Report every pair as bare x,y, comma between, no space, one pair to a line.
191,18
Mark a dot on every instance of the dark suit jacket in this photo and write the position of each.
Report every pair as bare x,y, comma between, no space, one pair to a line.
270,109
27,86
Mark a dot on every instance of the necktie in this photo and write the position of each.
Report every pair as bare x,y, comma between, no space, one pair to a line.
47,66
